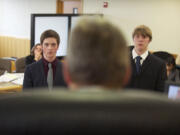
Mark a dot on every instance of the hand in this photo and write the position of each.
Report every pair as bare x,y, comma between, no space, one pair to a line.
37,56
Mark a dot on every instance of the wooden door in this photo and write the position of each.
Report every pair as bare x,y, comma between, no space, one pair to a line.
59,6
69,6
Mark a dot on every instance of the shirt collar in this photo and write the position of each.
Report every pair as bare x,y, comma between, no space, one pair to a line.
143,56
46,62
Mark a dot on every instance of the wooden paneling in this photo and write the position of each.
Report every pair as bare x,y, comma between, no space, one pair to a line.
14,47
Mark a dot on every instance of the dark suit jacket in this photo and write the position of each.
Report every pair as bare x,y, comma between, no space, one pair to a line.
152,75
29,59
35,76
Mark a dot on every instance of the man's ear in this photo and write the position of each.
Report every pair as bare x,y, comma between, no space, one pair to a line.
127,76
66,74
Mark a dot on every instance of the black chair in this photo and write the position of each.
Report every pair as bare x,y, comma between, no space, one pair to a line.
162,54
88,113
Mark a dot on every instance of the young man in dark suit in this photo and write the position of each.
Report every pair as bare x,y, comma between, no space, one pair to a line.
148,71
39,74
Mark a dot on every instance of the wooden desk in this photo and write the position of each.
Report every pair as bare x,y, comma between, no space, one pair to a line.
6,87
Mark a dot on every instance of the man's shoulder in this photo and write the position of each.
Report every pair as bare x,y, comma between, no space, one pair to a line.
131,47
35,65
156,62
59,63
156,59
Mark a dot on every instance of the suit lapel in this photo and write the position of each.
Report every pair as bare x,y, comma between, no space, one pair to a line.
57,74
42,72
133,64
146,63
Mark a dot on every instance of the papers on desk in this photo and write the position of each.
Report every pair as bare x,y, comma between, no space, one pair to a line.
16,78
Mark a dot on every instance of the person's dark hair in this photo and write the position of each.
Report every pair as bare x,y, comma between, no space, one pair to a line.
171,61
97,54
166,57
48,34
34,47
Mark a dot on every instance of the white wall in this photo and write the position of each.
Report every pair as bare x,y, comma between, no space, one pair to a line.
15,15
162,16
1,12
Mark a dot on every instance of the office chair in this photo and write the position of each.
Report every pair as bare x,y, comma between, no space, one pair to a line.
88,113
20,65
5,65
162,54
165,56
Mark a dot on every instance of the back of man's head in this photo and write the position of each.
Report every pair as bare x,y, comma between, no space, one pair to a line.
97,54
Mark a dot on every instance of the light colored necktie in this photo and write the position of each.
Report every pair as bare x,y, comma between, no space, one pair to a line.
50,77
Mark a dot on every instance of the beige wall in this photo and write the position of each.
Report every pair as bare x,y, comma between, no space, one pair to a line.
1,11
162,16
16,15
15,25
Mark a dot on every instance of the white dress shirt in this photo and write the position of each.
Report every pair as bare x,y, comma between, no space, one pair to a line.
143,56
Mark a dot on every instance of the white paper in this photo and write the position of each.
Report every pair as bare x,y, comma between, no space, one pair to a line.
19,81
11,77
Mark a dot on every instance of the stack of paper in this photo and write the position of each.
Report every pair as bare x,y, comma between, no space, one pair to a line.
12,77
